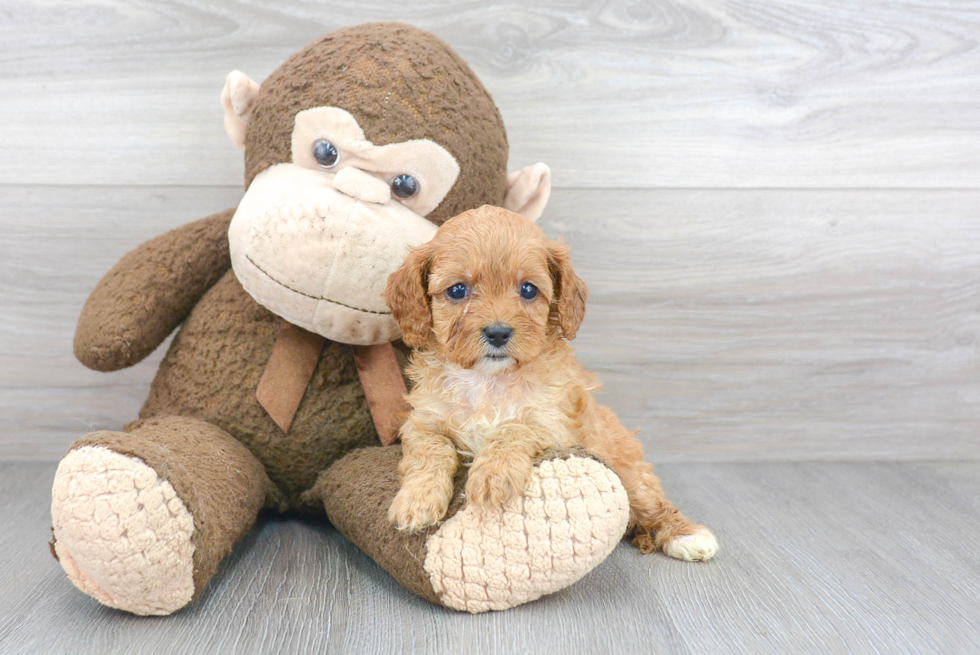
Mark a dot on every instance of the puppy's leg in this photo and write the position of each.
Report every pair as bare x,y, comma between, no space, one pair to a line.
658,525
502,468
427,468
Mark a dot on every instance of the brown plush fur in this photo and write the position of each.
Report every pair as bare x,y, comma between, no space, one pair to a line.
501,407
400,83
194,380
214,364
219,481
149,292
361,512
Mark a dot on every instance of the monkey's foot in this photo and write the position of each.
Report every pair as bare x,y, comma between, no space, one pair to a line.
121,533
569,518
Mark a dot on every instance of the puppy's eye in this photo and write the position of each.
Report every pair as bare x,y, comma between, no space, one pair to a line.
529,291
457,292
325,153
404,186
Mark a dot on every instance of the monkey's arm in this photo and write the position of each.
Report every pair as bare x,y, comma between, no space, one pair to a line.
149,292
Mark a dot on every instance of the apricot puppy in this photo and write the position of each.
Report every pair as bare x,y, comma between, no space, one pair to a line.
490,304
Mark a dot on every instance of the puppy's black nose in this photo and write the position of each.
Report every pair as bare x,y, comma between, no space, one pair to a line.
498,334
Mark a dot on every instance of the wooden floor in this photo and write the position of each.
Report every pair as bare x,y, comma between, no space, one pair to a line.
816,558
776,204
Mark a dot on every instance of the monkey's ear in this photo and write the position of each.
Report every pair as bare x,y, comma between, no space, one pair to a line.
237,98
528,190
407,296
570,290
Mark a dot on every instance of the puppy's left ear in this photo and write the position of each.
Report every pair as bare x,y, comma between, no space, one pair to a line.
570,290
405,294
528,190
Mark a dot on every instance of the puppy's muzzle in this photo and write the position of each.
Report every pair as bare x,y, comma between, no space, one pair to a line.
497,334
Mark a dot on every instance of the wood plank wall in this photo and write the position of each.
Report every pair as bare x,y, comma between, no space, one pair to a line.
776,204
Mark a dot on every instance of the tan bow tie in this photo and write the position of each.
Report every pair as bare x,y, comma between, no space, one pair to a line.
294,359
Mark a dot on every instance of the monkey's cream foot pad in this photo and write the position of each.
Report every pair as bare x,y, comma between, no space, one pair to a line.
121,533
572,515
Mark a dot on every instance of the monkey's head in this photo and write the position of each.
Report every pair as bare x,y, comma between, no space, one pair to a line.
356,149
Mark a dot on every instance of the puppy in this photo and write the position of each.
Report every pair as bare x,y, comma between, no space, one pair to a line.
490,304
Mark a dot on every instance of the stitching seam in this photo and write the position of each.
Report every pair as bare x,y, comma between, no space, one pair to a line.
286,286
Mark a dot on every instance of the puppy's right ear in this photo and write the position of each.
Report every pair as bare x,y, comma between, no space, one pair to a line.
406,295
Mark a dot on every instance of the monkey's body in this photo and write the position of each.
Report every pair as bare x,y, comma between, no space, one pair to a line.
332,420
218,354
214,450
142,518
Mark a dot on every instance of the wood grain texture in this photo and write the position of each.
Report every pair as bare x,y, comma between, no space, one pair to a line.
816,558
727,325
58,242
622,93
749,325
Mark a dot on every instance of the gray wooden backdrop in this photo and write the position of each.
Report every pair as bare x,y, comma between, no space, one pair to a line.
776,203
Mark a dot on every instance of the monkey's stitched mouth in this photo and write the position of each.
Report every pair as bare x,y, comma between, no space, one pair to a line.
296,291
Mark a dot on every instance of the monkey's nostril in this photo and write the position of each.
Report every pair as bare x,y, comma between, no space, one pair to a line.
498,334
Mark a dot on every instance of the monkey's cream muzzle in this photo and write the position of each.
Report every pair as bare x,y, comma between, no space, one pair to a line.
320,257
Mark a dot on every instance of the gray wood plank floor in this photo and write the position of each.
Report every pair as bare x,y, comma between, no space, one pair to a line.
816,558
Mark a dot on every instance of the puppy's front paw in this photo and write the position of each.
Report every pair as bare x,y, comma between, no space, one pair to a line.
492,483
415,509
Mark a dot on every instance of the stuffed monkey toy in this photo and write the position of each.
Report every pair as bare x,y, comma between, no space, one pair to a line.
282,388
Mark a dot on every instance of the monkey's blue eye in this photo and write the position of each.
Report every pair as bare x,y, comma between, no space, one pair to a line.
457,292
529,291
404,186
325,153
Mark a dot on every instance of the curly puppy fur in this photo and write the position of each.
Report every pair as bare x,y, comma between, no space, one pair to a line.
497,407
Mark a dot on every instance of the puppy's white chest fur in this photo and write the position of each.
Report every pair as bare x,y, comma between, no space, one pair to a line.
479,402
